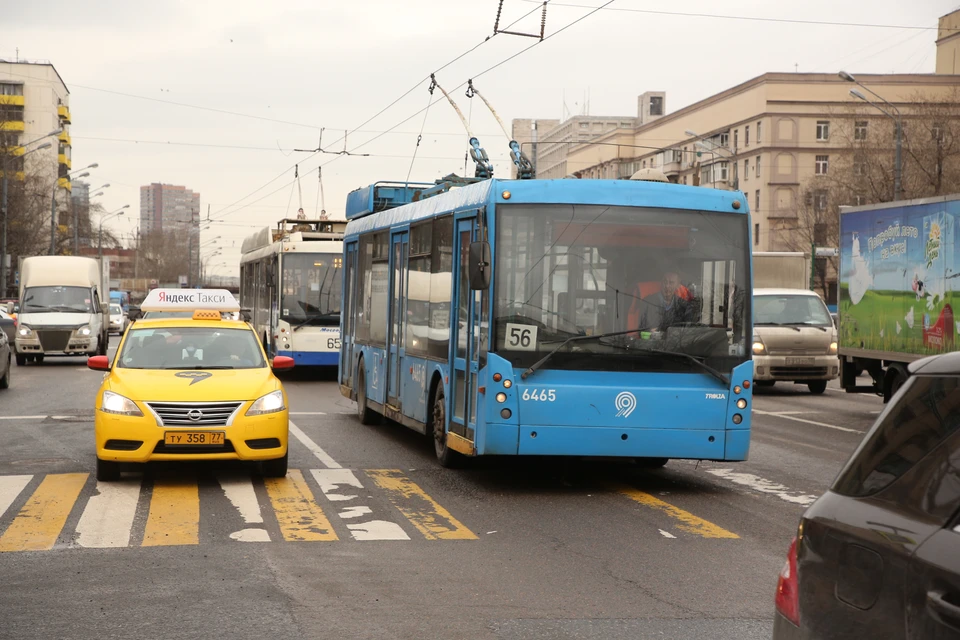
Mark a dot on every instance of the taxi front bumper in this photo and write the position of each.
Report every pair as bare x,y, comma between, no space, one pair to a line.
796,368
123,438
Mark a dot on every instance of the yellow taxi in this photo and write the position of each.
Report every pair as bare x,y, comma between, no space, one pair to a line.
190,388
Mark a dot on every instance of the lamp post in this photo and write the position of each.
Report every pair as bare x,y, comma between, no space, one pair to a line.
114,214
53,206
897,123
76,223
3,210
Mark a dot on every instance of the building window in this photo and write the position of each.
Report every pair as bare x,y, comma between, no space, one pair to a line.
937,131
757,200
758,131
821,165
756,233
823,130
584,125
656,105
746,169
860,130
7,89
725,139
859,168
758,165
746,136
860,199
644,164
736,138
820,200
677,155
11,113
684,180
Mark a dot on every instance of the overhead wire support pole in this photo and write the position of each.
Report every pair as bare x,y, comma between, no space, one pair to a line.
524,166
480,157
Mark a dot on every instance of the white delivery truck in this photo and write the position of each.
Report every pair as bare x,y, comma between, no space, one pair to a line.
794,338
63,308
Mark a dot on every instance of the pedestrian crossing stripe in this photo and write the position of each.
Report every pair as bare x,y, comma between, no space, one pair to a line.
52,513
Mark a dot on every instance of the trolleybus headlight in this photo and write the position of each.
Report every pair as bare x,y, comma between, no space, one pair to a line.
505,414
737,389
497,377
507,384
833,349
270,403
746,384
737,418
501,397
119,405
742,403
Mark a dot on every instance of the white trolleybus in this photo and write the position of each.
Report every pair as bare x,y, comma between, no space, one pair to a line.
290,281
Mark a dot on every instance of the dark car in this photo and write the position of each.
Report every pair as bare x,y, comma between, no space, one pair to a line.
878,555
8,325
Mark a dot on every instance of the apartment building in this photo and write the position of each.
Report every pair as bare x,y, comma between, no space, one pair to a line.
168,207
34,102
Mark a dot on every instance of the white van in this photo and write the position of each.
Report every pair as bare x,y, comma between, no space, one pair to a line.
794,339
63,311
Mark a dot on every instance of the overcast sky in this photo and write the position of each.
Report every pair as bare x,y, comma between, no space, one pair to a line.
300,66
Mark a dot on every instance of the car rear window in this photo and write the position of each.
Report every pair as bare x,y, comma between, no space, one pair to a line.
926,414
190,348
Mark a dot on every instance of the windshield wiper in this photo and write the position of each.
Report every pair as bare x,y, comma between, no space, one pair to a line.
332,314
807,324
539,363
686,356
776,324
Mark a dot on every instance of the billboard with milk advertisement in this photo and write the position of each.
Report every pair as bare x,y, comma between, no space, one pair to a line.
900,277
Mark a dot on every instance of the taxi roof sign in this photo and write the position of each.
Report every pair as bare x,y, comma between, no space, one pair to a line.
190,300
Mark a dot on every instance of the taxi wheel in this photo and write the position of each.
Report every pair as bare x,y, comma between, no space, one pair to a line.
274,468
107,470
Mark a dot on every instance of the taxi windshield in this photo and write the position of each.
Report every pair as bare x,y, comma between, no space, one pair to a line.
190,348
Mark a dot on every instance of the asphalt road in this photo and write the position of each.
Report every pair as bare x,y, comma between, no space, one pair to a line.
368,537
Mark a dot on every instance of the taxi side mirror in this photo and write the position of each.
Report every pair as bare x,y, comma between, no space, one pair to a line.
279,362
98,363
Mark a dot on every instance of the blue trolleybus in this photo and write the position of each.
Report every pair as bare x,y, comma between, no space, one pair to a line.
291,281
552,317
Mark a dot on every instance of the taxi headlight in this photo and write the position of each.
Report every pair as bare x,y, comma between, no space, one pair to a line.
24,331
270,403
119,405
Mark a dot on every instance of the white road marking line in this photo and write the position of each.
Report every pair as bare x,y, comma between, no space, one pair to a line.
108,517
779,414
241,495
355,512
667,534
250,535
331,479
322,455
10,488
764,486
377,530
308,413
23,417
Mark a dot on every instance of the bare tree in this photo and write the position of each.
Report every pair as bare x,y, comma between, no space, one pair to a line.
164,255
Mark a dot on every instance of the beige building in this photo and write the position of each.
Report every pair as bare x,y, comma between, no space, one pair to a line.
34,101
948,44
527,133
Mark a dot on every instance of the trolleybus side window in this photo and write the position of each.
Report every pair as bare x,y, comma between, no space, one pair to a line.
365,264
418,289
379,277
440,287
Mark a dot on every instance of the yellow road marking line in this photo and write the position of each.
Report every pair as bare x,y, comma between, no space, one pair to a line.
688,522
40,521
432,520
174,517
300,517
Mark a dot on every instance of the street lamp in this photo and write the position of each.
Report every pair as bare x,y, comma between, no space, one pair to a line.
897,123
3,209
114,214
76,222
53,206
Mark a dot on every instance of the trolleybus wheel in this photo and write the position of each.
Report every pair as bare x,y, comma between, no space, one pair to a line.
446,456
366,415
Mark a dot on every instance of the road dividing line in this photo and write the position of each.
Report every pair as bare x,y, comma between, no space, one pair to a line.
40,521
299,516
784,415
108,517
764,486
10,488
23,417
174,517
688,522
322,455
430,519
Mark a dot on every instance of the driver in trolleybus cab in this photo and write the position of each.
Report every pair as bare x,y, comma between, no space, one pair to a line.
669,303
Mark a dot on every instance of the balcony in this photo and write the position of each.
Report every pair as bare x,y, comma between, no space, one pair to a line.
64,112
13,100
12,151
65,139
63,159
64,183
19,175
671,168
12,125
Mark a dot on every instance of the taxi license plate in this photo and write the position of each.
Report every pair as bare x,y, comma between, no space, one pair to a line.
800,361
193,438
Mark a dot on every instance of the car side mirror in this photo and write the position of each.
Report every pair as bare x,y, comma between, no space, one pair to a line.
479,265
98,363
281,363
